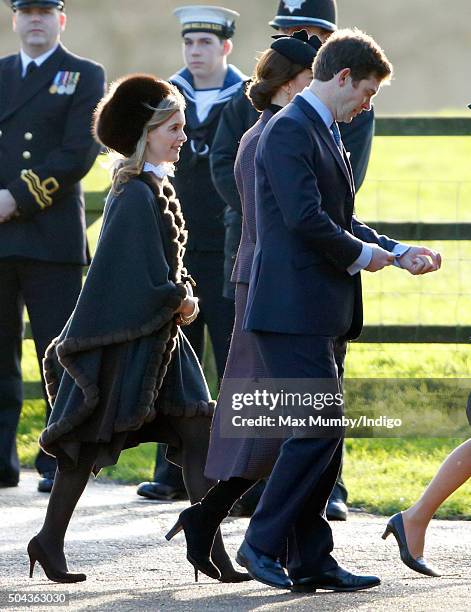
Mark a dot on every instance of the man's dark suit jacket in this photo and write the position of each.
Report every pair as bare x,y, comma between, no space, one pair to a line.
307,235
237,117
46,147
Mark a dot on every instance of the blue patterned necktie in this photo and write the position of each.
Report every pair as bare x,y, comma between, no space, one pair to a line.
334,128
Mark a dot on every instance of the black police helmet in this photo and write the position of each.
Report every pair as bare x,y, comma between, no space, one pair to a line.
320,13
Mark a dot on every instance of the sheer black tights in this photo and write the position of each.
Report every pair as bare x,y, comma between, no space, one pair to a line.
67,490
69,485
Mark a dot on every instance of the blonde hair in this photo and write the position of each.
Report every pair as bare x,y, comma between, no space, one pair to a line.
124,168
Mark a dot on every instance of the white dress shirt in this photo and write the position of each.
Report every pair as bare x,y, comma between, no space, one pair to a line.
26,59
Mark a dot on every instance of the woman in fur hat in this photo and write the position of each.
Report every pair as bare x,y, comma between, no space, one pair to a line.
122,372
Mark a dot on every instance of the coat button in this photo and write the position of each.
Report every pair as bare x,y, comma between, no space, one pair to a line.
28,136
26,155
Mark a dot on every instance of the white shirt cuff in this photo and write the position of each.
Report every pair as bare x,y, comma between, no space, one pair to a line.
399,250
362,261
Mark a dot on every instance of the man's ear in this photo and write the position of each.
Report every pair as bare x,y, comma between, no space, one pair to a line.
343,75
227,47
63,21
13,22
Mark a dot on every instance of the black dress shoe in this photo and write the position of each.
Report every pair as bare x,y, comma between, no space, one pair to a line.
160,491
336,510
9,478
262,567
396,527
336,579
45,482
8,482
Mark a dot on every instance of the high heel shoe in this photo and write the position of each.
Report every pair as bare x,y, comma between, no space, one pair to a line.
199,540
396,527
230,574
37,553
222,561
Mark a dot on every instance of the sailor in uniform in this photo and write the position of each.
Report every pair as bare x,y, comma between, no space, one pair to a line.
208,82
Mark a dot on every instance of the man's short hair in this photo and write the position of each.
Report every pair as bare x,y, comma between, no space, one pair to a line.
355,50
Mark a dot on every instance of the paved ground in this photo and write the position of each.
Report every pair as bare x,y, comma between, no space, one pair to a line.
117,539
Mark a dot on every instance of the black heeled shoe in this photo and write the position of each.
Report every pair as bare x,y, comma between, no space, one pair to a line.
37,553
200,528
396,527
199,540
232,575
222,561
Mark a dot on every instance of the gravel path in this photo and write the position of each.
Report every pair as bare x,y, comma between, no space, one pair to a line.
117,539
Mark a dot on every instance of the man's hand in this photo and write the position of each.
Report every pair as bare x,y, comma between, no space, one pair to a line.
420,260
8,208
380,259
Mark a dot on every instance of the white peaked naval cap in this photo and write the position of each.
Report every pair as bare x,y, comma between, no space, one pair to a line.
203,18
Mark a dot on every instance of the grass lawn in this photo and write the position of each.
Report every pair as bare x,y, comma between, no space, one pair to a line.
409,179
383,475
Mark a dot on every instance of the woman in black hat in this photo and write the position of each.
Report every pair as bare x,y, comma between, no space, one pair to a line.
122,372
282,71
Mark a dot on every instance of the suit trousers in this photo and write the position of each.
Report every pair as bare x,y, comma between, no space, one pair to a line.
166,472
49,291
292,507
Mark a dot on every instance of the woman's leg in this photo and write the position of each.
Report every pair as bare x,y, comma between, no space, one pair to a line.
194,433
454,471
67,490
219,499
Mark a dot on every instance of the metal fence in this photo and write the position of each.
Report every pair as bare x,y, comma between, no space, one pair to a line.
404,231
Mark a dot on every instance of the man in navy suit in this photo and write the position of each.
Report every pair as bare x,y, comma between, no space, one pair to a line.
47,98
319,18
305,299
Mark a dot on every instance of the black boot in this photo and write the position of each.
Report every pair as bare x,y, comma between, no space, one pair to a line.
199,533
223,562
201,521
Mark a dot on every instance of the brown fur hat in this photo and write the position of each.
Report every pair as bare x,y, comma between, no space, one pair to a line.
122,114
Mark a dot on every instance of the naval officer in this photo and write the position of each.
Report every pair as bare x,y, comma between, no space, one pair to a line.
47,96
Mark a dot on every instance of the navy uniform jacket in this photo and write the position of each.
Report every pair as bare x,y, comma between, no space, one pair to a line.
307,235
46,147
202,206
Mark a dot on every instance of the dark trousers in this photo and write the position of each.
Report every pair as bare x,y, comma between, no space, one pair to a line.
217,313
292,507
49,291
166,472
